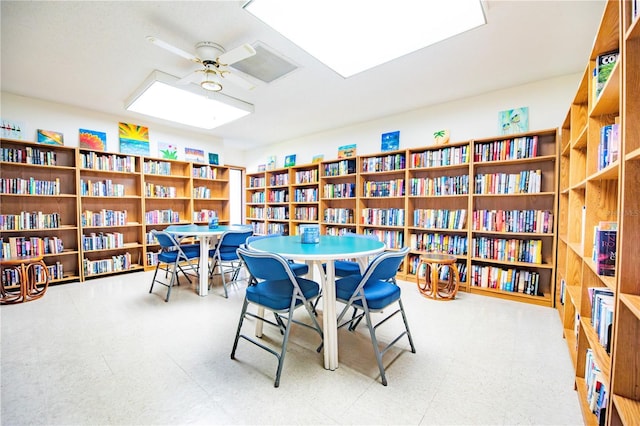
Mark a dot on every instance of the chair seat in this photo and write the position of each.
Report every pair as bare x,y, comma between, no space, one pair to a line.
344,268
299,268
276,294
379,294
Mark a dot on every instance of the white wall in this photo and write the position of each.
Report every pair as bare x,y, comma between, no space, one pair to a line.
38,114
470,118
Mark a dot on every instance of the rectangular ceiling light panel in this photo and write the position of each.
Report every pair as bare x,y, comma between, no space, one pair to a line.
186,104
351,36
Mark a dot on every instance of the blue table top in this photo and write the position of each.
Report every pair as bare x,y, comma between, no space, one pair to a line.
329,247
205,230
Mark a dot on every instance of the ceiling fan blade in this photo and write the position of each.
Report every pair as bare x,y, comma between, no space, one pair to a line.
237,54
171,48
235,79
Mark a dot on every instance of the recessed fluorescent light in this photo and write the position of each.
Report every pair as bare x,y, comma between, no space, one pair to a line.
351,36
186,104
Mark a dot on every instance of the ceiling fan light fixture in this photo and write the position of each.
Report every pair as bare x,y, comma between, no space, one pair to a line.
211,85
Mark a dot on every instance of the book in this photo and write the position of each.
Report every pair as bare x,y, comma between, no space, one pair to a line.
606,249
605,63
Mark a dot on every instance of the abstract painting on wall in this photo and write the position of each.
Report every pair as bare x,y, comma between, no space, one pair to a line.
194,155
134,139
92,139
168,151
50,137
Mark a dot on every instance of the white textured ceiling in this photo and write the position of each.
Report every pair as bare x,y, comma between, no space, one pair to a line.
93,54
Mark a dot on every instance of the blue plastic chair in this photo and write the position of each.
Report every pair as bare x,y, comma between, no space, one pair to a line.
344,268
298,269
224,258
276,289
173,257
373,292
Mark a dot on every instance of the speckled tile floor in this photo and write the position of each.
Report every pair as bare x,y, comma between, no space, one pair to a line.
106,352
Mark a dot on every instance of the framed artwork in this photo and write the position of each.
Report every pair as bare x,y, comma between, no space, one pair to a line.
50,137
134,139
214,159
317,158
194,155
167,150
271,162
346,151
92,139
513,121
441,137
262,167
12,129
390,141
290,160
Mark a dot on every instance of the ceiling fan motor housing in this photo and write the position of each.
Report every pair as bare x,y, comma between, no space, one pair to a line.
209,52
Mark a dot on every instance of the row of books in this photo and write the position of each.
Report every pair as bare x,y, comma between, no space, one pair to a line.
384,164
255,212
338,215
415,268
30,186
278,213
392,239
508,149
100,189
277,228
258,227
440,218
382,217
442,185
11,276
279,179
278,196
101,241
507,250
602,307
340,168
154,167
339,190
107,162
202,193
506,279
609,145
120,262
104,217
391,188
29,220
439,243
441,157
306,176
204,215
597,395
305,195
257,197
162,216
28,155
30,246
333,230
257,182
160,191
537,221
305,213
204,172
605,248
525,182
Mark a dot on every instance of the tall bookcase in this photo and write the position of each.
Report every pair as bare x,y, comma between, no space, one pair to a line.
338,188
304,196
210,193
38,205
110,212
606,358
255,208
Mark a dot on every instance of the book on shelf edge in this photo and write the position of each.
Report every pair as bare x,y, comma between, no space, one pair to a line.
606,252
605,62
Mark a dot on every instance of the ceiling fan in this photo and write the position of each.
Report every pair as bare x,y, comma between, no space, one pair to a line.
214,60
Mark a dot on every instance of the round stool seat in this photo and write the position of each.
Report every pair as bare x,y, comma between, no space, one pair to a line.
433,287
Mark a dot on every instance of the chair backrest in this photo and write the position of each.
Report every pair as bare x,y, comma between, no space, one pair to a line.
384,266
265,265
252,238
232,239
166,240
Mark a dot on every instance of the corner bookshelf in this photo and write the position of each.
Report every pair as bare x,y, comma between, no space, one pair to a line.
38,205
210,193
512,217
255,208
110,197
338,195
438,203
625,368
603,332
305,196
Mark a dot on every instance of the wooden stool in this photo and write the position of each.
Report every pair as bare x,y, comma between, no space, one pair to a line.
29,288
433,288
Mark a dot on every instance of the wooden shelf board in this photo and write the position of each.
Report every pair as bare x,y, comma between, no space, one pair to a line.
608,173
610,282
433,168
631,301
514,264
570,337
536,300
581,140
38,166
628,409
84,172
633,155
589,418
575,294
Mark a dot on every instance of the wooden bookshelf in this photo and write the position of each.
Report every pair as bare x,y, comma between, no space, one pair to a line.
277,194
210,193
304,196
255,202
40,181
339,183
590,193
